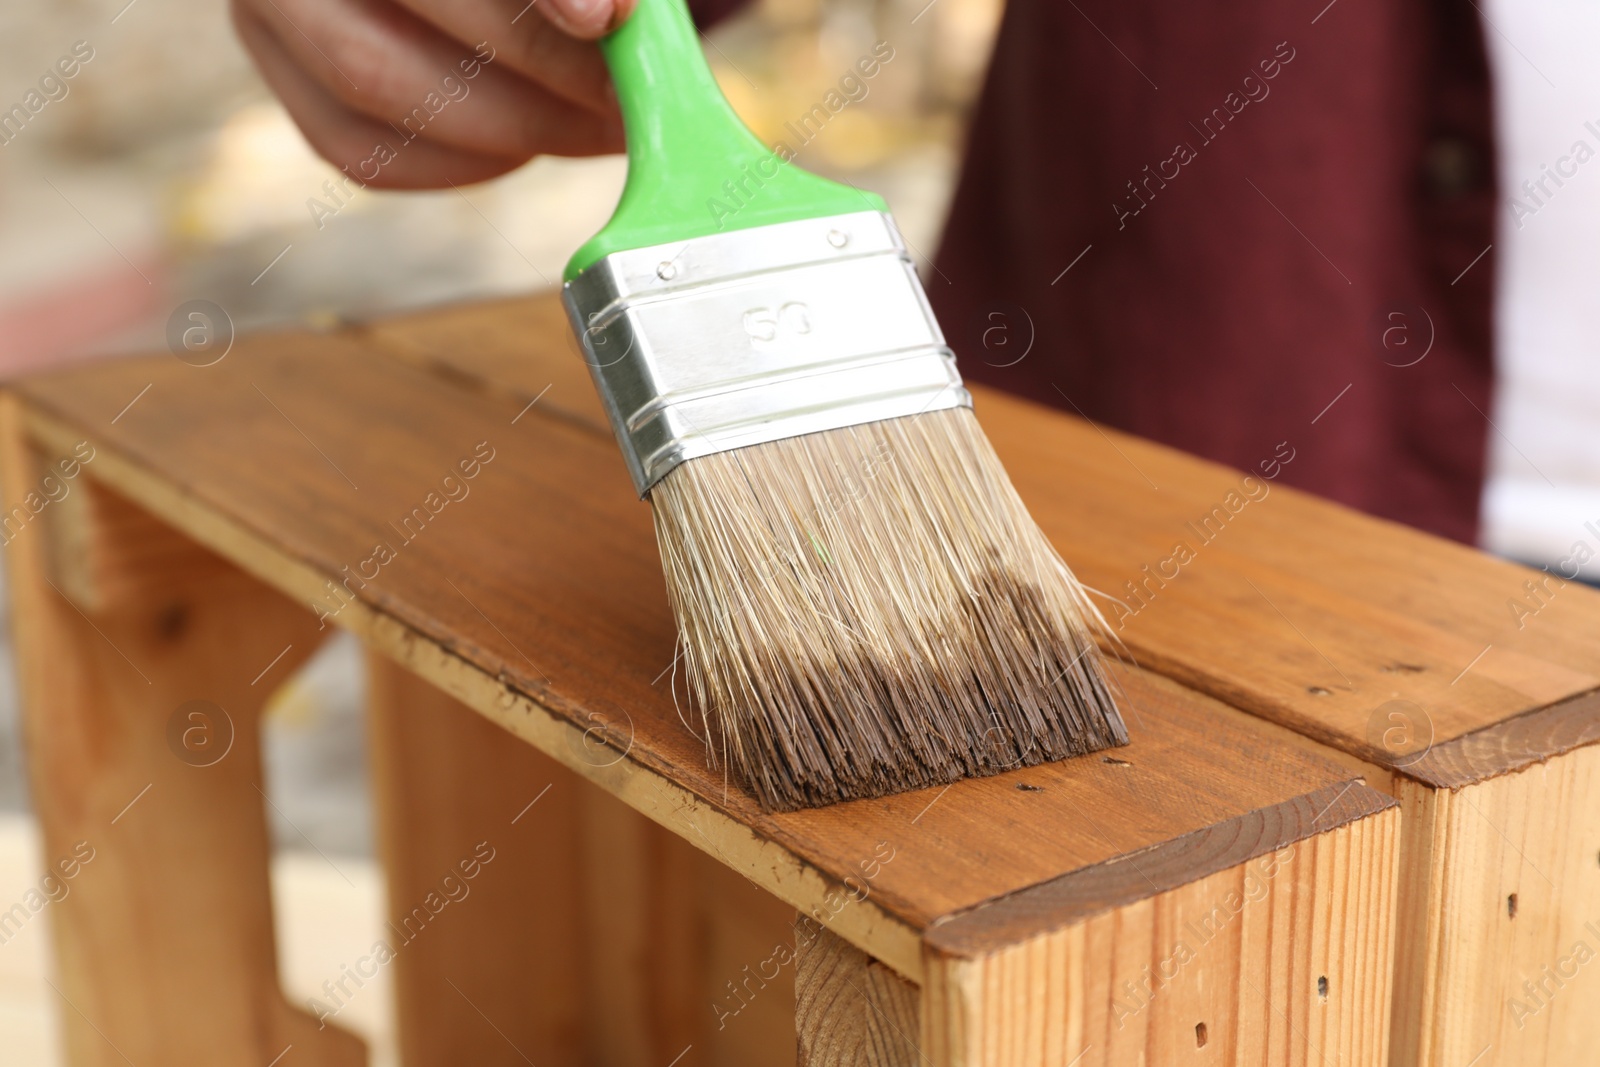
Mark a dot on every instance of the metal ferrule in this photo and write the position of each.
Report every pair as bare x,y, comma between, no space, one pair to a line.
758,335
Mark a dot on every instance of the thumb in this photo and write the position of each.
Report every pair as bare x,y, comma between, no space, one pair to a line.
587,19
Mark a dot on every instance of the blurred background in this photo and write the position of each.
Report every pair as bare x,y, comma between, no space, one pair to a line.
168,173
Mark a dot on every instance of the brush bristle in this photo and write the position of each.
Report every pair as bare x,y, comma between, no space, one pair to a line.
871,610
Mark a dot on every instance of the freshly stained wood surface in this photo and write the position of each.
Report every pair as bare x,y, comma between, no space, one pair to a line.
512,347
536,593
1316,617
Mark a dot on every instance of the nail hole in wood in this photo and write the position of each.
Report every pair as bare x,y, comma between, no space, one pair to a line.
1511,906
1318,691
1322,987
1115,762
1199,1035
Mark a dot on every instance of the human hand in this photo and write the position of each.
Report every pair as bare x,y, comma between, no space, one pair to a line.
417,94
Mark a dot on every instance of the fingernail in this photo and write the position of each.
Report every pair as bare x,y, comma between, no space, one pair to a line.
586,17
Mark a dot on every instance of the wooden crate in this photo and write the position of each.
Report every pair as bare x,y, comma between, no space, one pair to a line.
1465,686
1222,889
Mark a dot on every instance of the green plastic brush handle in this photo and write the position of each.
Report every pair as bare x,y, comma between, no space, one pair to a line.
694,169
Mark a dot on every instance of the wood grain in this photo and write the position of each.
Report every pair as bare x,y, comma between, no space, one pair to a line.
593,935
1481,973
850,1010
155,840
475,981
537,600
681,954
1282,957
508,348
1282,960
1318,615
1049,906
1509,746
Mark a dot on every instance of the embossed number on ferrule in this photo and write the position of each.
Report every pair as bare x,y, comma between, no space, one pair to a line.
766,324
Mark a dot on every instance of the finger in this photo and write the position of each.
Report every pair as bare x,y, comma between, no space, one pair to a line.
381,61
587,19
530,42
350,140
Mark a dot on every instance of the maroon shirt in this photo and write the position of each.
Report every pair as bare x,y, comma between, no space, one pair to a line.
1212,221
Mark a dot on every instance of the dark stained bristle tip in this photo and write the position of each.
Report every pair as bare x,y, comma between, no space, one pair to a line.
872,610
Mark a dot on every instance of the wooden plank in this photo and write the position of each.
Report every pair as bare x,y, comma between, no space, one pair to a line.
1280,952
1284,959
1031,913
646,985
106,556
508,347
537,601
1514,744
741,927
851,1010
480,842
142,708
1507,918
592,935
1384,613
681,951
